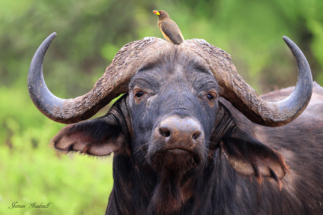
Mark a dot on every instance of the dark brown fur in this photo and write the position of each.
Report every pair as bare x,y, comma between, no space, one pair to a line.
244,168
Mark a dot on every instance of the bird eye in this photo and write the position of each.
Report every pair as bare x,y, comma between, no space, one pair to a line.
161,12
210,97
139,94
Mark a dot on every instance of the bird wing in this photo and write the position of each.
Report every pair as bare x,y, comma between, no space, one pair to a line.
172,31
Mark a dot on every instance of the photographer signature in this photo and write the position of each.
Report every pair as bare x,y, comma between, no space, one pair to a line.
31,205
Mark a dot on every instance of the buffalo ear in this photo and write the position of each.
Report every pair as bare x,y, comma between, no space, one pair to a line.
98,137
248,156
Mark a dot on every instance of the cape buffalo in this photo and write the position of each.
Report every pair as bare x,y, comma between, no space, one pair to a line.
190,136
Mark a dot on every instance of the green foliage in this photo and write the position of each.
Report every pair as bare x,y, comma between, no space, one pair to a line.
89,35
32,172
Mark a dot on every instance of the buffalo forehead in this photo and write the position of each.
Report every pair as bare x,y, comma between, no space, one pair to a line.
172,64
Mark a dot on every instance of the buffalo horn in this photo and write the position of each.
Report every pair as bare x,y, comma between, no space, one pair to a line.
113,82
244,97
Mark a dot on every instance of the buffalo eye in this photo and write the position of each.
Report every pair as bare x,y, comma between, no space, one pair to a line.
139,94
210,97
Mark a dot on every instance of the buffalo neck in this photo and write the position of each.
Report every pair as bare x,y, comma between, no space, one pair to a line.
138,183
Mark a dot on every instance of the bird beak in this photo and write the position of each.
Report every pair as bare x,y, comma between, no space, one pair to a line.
156,12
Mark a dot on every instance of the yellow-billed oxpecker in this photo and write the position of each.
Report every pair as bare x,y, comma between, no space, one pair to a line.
169,28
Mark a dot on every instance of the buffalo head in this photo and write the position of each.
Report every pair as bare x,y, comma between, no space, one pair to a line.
174,115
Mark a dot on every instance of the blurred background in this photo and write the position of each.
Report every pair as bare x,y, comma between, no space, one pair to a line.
89,35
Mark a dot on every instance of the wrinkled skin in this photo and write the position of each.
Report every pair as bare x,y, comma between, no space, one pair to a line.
233,167
180,91
171,91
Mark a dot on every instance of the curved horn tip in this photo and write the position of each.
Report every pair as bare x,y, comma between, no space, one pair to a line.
52,36
288,41
45,44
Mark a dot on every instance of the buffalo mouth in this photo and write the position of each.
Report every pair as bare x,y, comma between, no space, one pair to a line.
179,151
176,158
177,154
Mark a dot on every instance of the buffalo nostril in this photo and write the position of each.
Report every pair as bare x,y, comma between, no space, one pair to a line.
196,135
164,132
